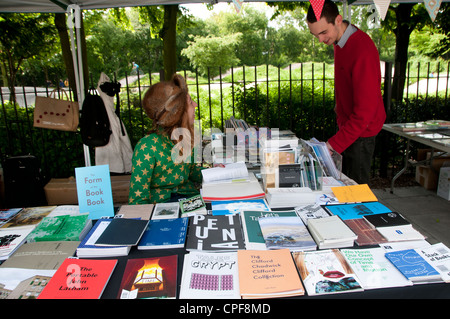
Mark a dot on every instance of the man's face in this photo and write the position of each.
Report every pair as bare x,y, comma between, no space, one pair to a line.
327,33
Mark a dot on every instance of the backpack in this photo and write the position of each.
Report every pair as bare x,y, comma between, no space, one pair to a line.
94,122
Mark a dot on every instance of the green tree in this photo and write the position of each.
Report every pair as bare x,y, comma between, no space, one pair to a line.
23,36
204,52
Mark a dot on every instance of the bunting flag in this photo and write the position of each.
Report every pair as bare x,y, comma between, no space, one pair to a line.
382,7
432,7
238,5
317,7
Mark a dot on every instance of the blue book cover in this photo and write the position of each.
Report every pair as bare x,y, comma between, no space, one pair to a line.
95,232
357,210
94,191
412,265
164,233
236,206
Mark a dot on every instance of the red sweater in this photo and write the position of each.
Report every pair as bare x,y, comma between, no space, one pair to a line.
359,104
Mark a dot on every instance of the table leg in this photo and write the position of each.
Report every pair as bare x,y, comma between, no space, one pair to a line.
403,169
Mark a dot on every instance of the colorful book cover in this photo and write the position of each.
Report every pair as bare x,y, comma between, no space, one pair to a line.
79,279
325,272
267,274
164,233
237,206
154,277
64,227
357,210
11,239
286,232
413,266
94,191
254,239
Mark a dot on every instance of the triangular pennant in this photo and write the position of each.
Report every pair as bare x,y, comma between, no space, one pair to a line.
432,7
382,7
238,5
317,7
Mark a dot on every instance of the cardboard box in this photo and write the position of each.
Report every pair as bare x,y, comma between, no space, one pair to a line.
426,177
63,191
443,189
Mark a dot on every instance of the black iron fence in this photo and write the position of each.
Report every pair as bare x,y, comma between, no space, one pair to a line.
299,97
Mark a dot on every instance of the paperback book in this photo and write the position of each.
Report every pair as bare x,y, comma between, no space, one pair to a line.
122,232
357,210
253,236
63,227
192,206
150,278
413,266
79,279
215,233
268,274
87,247
286,232
166,210
331,232
11,239
164,234
386,220
366,234
373,269
326,272
238,206
210,276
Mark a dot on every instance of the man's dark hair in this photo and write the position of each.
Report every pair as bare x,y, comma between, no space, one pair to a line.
329,11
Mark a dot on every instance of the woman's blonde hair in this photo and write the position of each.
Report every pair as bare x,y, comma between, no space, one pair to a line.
166,104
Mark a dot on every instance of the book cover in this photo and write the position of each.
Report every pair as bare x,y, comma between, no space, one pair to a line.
268,274
310,211
325,272
289,175
164,233
146,278
94,191
79,279
166,210
357,210
386,220
366,234
63,227
413,266
41,255
354,193
215,233
331,232
373,269
29,216
122,232
11,239
141,211
238,206
253,236
87,247
7,213
192,206
286,232
400,233
210,276
438,256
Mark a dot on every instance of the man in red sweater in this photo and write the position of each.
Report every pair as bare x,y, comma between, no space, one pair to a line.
359,108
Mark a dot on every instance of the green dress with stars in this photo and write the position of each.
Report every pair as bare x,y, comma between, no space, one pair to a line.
155,176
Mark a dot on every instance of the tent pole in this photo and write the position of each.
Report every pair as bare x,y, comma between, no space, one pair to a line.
74,14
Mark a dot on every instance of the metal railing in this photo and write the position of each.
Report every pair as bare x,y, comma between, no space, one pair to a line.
290,98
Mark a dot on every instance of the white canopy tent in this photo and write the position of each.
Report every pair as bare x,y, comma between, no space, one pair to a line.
74,8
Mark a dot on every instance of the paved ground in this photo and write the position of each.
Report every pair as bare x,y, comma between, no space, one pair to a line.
429,213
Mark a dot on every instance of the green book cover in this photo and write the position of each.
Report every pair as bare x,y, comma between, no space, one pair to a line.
56,228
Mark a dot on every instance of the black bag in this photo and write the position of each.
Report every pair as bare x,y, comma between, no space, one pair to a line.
94,122
24,184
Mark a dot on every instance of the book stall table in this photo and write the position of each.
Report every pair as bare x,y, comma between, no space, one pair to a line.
434,134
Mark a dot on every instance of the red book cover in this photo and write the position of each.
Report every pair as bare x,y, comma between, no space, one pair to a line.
154,277
79,279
